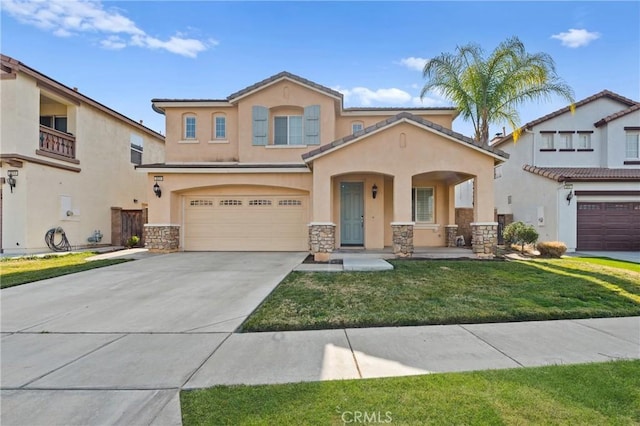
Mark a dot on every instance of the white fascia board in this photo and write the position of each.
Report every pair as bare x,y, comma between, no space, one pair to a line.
382,112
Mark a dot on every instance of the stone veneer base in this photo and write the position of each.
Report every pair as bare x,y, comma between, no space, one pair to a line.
322,240
402,240
162,238
484,237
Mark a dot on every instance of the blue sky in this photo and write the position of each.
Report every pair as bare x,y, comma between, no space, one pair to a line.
123,54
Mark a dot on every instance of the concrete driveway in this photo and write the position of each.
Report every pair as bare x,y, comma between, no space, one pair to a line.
114,345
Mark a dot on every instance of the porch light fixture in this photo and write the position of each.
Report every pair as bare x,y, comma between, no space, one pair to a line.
157,190
11,180
374,191
569,197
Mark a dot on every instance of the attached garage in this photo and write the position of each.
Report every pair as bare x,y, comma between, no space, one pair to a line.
608,226
256,222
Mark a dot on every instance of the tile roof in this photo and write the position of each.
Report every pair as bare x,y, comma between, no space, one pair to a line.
395,119
605,93
617,115
290,76
584,174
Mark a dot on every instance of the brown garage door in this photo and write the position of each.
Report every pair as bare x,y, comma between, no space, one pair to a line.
608,226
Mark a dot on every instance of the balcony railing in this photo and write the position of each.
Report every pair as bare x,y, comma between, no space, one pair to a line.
56,142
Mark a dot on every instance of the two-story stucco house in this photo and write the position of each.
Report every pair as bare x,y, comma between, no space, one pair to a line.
67,162
576,176
282,165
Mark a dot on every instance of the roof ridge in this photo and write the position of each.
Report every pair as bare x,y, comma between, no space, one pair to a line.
404,115
278,76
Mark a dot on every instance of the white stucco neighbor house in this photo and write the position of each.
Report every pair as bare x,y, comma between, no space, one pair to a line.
68,162
576,176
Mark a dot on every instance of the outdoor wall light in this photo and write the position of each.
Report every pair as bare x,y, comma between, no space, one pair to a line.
157,190
374,191
569,197
11,180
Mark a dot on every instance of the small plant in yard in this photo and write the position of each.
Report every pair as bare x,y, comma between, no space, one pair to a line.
520,233
551,248
133,241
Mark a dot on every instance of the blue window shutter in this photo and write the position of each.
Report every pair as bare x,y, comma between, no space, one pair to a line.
260,125
312,125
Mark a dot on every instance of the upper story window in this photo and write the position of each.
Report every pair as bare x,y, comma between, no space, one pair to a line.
422,205
356,126
287,130
135,142
219,127
55,122
289,127
189,126
632,145
584,140
497,172
547,141
566,141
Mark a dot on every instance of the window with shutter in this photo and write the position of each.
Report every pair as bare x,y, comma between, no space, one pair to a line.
260,125
312,125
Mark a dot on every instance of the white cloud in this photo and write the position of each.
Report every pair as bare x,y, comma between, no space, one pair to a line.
363,96
576,38
414,63
65,18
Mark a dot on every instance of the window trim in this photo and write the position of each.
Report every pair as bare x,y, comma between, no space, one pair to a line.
414,205
626,143
185,137
215,136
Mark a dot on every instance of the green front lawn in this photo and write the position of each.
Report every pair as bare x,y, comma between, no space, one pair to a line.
28,269
450,292
590,394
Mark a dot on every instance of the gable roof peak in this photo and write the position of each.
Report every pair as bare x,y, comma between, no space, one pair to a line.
279,76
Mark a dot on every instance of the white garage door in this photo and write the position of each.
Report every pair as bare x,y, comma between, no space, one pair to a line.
246,223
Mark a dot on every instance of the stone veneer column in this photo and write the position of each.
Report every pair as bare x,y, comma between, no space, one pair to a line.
484,237
322,240
163,238
452,233
402,239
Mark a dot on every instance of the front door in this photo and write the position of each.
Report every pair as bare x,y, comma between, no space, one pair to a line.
351,214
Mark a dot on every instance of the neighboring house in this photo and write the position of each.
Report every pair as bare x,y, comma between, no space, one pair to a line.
281,165
576,176
73,162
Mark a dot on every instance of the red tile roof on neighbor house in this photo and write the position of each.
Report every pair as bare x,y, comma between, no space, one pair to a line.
604,94
617,115
584,174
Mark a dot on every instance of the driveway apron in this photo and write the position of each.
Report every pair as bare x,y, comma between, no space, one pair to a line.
114,345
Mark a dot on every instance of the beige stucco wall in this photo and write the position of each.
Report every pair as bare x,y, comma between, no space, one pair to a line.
107,178
344,122
168,208
422,151
205,148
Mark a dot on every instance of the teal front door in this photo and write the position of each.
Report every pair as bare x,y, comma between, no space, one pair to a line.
351,214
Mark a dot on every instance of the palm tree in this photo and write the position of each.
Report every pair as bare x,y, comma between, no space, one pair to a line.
488,91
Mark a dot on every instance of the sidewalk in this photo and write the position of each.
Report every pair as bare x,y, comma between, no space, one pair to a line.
281,357
133,378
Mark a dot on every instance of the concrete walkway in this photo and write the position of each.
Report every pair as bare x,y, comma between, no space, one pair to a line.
116,345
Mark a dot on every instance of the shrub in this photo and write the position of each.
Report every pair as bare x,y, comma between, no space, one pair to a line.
520,233
133,241
551,248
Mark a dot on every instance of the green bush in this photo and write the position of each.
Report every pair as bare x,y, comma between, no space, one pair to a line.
133,241
520,233
551,248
